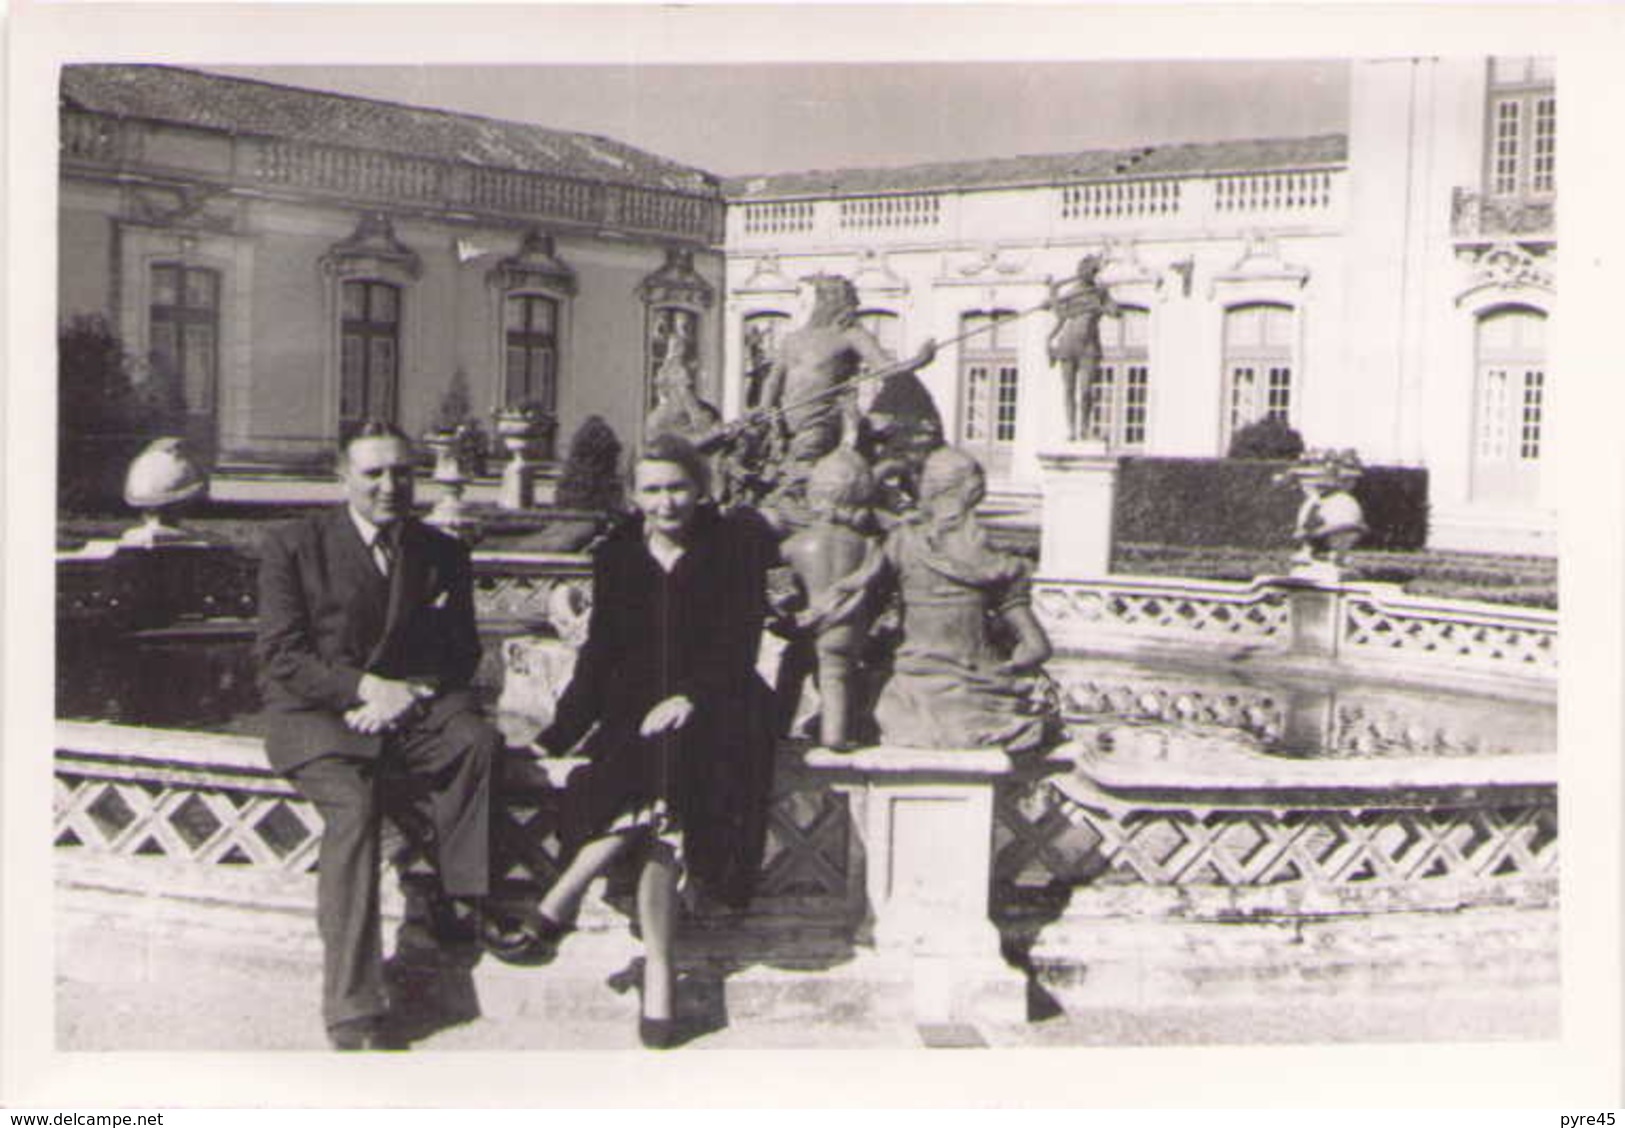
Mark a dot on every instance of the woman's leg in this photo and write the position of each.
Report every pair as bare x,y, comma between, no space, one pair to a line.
657,913
562,901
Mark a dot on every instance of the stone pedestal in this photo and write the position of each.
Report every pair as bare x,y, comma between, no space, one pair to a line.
926,820
518,488
1314,609
1080,489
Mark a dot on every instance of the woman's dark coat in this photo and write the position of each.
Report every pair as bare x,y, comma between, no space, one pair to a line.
654,635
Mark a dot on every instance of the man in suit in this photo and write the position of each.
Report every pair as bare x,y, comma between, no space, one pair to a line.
367,647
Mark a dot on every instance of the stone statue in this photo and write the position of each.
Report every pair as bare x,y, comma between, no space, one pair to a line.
809,382
678,410
1079,304
837,564
969,670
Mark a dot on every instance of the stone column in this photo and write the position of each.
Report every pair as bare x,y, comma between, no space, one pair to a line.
1080,490
926,819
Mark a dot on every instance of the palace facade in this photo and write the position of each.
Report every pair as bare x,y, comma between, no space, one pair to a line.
1389,290
295,260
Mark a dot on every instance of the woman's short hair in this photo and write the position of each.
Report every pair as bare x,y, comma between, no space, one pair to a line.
668,447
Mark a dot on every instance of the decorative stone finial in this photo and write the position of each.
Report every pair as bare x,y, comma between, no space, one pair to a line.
161,479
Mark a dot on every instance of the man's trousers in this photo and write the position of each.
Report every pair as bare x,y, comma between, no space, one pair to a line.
448,774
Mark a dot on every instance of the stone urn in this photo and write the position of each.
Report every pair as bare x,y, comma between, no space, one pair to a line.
449,512
527,433
1330,521
161,479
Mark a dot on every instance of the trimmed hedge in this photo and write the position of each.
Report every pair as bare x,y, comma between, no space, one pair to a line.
1236,502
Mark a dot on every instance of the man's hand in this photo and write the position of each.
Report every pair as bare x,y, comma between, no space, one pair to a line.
668,716
384,702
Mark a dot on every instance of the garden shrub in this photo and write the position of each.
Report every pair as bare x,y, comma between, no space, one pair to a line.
105,416
1212,502
1267,438
590,478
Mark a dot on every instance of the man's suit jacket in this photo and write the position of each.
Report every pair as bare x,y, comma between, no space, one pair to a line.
327,616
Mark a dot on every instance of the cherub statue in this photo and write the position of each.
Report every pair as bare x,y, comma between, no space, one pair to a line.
1079,304
969,670
837,563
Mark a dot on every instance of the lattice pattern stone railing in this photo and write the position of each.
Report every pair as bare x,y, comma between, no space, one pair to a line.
1273,191
553,592
1474,838
209,799
1189,611
877,213
1483,636
1120,200
1303,850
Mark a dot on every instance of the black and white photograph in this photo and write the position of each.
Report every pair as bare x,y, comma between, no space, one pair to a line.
675,541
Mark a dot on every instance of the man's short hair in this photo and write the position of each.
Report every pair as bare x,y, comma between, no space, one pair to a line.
368,429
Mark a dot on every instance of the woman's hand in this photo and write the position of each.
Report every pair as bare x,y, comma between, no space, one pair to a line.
668,716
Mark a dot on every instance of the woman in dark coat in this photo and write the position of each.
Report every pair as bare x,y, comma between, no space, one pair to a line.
677,722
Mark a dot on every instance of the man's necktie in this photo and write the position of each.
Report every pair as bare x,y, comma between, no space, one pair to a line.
385,550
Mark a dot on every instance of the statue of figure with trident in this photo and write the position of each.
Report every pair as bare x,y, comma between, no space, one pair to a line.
808,388
1079,304
808,379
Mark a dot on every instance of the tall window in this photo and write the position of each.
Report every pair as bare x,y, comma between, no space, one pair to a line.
1522,123
762,333
1510,415
369,369
184,331
989,386
1258,365
531,336
1124,392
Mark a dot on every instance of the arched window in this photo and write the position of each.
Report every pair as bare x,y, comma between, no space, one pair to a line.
759,345
1509,413
1258,366
1123,402
369,362
989,385
531,340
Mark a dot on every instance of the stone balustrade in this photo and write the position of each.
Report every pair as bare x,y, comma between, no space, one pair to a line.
1239,201
390,178
1477,217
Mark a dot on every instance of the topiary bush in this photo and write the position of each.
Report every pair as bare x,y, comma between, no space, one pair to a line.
1267,438
104,414
591,477
1214,502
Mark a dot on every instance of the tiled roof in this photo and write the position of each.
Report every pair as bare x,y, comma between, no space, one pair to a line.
1056,168
245,106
